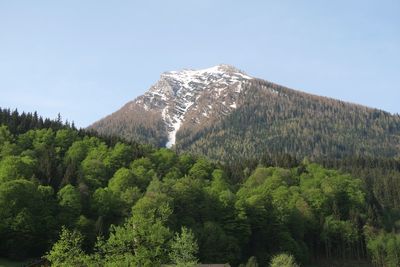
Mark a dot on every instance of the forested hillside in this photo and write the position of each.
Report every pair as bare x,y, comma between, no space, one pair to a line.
277,120
81,200
227,116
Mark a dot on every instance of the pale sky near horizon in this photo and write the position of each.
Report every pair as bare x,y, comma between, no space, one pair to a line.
85,59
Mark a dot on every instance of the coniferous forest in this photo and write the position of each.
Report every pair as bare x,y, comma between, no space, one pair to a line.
275,119
69,197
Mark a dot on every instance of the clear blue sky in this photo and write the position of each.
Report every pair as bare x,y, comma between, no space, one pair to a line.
85,59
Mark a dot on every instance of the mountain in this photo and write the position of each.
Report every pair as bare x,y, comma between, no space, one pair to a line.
223,113
180,99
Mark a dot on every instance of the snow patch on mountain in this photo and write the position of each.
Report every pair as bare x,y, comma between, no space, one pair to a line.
172,134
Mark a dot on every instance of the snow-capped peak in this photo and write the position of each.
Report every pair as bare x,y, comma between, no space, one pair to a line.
177,93
220,71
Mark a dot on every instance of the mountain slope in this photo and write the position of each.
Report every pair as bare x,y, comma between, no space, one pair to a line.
187,98
225,114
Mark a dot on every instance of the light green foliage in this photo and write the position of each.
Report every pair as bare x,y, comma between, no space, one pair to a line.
5,135
201,169
221,189
124,184
67,251
64,139
335,233
194,207
185,162
25,141
163,160
129,198
77,152
7,148
283,260
120,156
16,167
44,142
40,145
93,167
273,210
184,249
123,179
275,198
143,170
384,249
144,236
50,178
219,181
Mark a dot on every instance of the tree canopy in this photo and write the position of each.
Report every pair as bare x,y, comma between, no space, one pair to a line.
84,200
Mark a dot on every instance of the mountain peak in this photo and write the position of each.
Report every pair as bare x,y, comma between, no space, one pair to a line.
228,68
182,97
220,70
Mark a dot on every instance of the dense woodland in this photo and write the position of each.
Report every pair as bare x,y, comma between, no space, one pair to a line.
83,200
277,120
